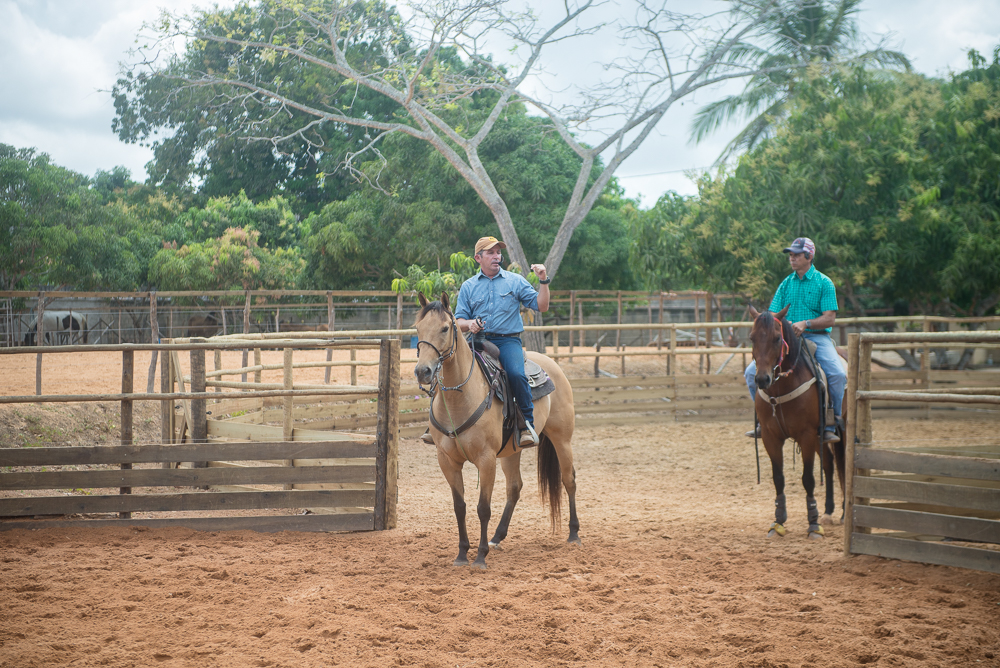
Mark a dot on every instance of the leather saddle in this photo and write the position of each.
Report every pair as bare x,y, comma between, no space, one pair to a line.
488,357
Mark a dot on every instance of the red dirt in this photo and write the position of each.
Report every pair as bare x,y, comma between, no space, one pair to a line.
674,570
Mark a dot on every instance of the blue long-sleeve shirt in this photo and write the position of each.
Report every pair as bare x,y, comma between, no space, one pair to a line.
497,301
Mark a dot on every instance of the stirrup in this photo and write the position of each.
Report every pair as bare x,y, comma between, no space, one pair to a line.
426,437
754,433
528,437
830,437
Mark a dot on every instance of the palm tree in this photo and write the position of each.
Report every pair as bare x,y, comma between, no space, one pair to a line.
810,32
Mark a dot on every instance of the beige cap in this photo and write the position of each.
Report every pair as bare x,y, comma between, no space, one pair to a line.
487,243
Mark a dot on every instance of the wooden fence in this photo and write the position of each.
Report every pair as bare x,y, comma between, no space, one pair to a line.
344,481
932,505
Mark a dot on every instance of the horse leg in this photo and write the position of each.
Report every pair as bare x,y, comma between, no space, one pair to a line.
565,453
512,472
809,483
453,474
826,461
487,476
778,475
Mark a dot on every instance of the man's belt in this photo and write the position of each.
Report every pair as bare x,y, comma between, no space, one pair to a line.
504,335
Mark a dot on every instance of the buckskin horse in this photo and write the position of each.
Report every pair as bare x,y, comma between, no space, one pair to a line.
787,405
463,392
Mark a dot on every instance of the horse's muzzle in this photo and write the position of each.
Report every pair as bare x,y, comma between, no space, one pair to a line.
763,382
424,374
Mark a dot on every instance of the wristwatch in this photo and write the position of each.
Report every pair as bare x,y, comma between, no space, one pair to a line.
546,281
809,324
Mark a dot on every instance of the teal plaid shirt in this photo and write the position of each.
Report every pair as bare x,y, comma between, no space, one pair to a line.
806,297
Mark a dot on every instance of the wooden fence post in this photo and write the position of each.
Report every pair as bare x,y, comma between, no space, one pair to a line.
708,331
659,335
39,341
246,330
572,312
288,404
399,313
217,360
199,418
166,406
387,435
154,337
618,335
330,315
583,332
354,367
672,356
850,430
128,362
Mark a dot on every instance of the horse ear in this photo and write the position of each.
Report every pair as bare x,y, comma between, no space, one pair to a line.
423,300
444,300
753,312
782,313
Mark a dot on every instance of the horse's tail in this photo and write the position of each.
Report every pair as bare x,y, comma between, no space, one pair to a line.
550,479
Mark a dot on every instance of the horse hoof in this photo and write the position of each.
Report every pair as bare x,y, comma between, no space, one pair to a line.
827,520
777,531
574,540
496,546
816,532
460,562
481,565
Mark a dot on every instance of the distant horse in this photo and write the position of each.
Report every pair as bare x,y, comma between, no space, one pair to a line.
462,393
58,325
783,413
204,325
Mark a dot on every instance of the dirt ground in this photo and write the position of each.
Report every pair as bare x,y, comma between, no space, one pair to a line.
674,570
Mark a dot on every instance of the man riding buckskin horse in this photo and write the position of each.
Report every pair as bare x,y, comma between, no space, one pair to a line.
812,309
490,302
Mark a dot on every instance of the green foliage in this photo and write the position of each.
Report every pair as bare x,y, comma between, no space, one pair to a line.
234,261
433,283
893,177
55,230
213,134
273,220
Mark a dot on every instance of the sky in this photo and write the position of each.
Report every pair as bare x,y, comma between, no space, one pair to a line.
60,58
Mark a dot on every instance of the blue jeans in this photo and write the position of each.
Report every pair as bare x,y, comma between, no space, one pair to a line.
829,360
512,359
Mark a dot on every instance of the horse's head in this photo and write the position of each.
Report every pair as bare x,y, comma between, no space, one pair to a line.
769,344
437,337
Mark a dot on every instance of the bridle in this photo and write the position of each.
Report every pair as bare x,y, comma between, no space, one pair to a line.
437,380
778,375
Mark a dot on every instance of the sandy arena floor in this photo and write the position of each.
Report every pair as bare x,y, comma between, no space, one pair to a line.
674,570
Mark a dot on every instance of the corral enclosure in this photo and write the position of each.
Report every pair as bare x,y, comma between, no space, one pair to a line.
674,569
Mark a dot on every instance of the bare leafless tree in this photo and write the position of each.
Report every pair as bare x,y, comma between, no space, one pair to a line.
666,56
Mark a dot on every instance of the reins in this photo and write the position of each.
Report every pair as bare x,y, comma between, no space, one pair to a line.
438,383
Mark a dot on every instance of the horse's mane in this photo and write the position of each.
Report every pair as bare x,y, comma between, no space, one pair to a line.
435,306
767,317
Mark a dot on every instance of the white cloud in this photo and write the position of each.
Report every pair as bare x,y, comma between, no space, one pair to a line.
58,55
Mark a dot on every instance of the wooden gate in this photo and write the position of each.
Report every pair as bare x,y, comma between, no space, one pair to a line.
343,482
926,504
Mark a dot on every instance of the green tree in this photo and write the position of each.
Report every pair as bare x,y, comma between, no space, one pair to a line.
816,32
234,261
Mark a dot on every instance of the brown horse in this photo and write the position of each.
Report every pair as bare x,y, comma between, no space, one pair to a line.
444,356
783,414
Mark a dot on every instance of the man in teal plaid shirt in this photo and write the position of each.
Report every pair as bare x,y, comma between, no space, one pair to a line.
812,309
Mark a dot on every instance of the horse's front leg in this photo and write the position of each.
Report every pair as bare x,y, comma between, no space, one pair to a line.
487,476
826,461
809,483
774,453
512,473
453,474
